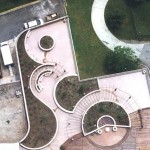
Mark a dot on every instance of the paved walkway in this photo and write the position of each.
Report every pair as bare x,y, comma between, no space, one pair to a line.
99,25
133,83
62,52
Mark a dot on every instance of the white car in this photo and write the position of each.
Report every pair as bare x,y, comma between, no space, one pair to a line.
33,23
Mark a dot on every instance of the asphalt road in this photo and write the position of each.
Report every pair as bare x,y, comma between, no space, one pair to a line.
11,24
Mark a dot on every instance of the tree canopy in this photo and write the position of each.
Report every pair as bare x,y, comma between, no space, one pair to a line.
122,59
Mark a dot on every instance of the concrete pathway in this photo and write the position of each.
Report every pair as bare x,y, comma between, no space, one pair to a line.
62,52
107,38
136,84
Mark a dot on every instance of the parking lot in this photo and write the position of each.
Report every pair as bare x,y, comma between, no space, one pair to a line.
11,24
13,123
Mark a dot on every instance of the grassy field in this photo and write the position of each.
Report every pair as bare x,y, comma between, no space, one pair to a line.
127,31
74,91
9,4
90,52
42,119
140,18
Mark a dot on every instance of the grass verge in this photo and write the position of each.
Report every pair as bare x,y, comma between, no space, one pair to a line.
42,119
69,91
141,18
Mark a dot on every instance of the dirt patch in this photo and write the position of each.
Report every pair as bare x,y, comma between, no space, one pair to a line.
42,119
13,123
69,91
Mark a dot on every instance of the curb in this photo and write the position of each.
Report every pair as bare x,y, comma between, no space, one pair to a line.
54,94
18,7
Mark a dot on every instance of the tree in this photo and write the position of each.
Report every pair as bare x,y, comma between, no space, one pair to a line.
122,59
114,20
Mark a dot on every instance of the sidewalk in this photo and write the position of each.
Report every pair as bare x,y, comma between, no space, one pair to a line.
107,38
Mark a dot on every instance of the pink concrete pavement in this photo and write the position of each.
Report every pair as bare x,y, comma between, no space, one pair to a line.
62,52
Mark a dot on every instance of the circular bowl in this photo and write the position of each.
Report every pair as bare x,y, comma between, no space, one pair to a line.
46,43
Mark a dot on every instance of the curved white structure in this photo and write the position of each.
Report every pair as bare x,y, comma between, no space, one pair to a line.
103,33
54,94
97,127
114,122
46,49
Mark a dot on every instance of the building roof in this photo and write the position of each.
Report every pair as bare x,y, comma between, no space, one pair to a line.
12,146
6,54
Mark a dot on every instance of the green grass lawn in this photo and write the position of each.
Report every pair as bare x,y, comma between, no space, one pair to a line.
127,31
90,52
142,19
9,4
140,16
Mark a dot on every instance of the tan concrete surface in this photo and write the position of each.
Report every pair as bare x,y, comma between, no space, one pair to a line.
13,123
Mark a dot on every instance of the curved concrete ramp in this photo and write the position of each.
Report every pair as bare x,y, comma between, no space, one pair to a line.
103,33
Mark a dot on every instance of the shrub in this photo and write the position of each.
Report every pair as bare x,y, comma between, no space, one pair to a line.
122,59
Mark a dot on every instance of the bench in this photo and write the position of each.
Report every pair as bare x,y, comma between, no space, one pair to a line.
39,88
39,79
47,74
